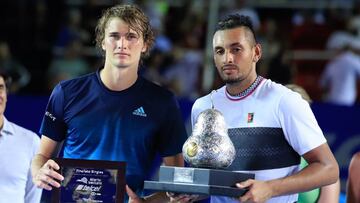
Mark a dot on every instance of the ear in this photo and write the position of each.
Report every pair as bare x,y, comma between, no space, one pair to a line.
258,53
103,45
144,49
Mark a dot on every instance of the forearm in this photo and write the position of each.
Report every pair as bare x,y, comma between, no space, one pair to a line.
37,162
313,176
330,193
48,149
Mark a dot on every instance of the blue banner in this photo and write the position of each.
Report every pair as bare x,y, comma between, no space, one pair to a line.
341,127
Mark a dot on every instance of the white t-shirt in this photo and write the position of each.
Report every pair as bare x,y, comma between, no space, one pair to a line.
17,148
270,105
340,76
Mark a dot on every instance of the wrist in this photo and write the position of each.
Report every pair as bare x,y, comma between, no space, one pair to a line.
273,188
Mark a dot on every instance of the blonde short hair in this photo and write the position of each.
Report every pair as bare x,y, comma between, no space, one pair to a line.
300,90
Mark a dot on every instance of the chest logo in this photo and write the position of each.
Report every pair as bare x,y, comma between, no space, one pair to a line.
250,117
139,112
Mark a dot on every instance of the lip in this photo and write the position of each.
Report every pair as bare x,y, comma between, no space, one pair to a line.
122,54
229,67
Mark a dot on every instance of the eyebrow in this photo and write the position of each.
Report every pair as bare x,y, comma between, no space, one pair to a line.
112,33
130,31
231,45
235,44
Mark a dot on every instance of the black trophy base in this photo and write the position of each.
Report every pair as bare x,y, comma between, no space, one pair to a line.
199,181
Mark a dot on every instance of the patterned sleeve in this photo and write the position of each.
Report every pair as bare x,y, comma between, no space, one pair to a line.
53,125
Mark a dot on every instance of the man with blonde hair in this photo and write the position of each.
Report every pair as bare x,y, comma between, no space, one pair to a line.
114,114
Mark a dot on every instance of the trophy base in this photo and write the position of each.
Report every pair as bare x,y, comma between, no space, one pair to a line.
199,181
182,188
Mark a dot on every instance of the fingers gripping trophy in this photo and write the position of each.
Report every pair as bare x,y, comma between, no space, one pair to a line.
208,151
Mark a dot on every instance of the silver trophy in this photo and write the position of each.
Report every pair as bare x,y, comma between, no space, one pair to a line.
209,146
208,151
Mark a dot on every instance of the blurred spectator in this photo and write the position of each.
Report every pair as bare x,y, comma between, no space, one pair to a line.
161,54
270,40
280,69
339,41
353,183
71,31
19,74
183,76
275,63
17,148
154,65
354,21
301,91
68,66
339,79
240,7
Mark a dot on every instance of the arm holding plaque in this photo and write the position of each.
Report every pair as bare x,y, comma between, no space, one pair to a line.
43,168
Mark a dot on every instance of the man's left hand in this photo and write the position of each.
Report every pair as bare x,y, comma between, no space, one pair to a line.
133,198
259,191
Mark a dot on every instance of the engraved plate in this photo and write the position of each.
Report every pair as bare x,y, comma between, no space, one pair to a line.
184,175
90,181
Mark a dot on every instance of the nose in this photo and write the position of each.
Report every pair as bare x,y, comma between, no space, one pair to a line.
229,57
122,43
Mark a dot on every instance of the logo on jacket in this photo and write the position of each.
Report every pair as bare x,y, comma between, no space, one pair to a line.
52,117
139,112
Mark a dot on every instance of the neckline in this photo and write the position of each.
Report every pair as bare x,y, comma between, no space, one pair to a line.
136,85
248,91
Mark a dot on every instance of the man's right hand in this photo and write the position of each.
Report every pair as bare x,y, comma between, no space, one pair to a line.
47,177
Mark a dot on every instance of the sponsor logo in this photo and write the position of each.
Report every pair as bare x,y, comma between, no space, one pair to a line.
82,180
90,188
52,117
250,117
139,112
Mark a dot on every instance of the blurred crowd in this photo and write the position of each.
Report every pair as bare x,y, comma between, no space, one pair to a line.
43,42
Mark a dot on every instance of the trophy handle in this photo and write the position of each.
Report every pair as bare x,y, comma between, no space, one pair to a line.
212,101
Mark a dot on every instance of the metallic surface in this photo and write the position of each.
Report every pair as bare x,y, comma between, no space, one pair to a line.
209,146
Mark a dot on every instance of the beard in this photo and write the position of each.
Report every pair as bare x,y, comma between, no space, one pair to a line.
230,79
233,78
